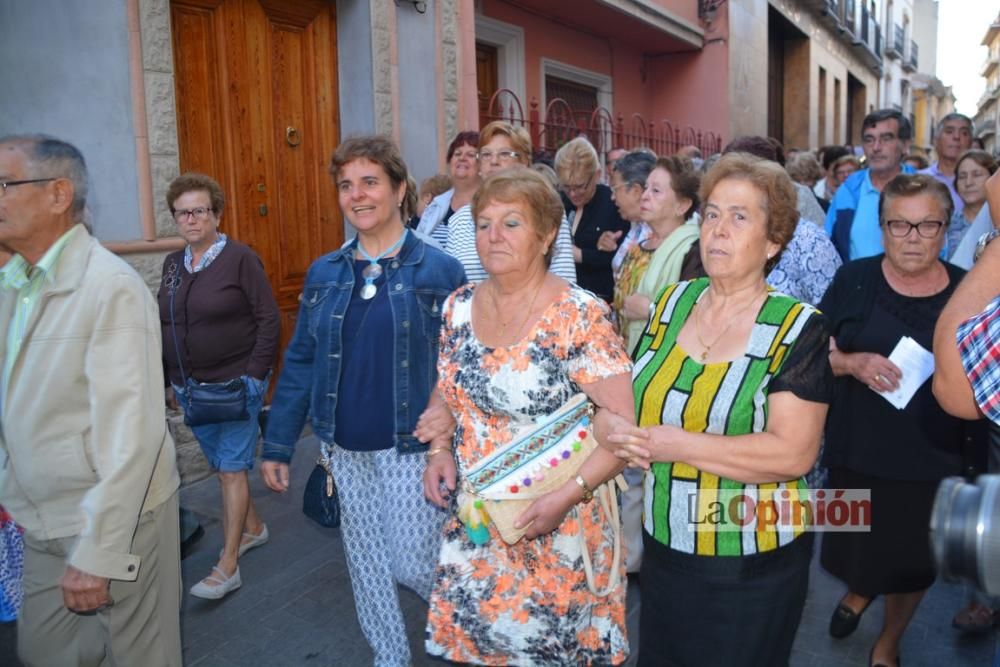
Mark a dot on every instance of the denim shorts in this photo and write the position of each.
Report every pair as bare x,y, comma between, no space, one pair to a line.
232,446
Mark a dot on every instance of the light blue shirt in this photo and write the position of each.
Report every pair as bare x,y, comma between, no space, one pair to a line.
866,234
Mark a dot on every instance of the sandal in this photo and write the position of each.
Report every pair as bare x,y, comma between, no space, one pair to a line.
974,618
223,585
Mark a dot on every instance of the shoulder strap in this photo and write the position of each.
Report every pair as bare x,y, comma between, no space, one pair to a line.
172,287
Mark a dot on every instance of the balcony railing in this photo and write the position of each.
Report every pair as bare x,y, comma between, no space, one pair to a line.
868,39
894,43
910,64
855,24
557,123
849,16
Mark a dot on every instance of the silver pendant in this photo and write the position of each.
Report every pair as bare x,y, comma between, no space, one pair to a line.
368,291
372,271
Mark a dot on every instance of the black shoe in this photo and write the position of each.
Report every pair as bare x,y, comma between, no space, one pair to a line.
845,621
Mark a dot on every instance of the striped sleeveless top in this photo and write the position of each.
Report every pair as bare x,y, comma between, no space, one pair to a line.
691,510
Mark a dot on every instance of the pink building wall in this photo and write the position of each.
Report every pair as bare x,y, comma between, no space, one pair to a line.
689,88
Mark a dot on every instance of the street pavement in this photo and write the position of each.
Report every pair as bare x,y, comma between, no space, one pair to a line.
296,607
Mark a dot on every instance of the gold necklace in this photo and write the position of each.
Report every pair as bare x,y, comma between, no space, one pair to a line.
707,347
527,314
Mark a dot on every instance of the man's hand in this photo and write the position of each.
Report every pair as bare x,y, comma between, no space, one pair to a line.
85,593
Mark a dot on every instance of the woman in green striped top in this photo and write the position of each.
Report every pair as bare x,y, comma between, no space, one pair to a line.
731,384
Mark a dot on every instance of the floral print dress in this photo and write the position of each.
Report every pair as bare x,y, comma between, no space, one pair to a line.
526,603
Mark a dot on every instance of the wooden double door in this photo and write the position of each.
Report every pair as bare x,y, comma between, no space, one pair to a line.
256,94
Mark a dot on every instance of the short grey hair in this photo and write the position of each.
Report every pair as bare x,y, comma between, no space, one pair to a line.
634,167
954,115
48,157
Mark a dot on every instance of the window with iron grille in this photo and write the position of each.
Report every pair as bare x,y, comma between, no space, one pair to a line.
578,96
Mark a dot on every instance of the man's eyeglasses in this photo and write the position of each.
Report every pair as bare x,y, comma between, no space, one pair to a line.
503,156
927,229
199,213
6,184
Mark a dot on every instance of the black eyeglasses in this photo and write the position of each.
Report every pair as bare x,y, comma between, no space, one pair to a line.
199,213
927,229
6,184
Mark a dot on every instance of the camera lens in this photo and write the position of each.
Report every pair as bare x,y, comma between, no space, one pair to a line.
965,531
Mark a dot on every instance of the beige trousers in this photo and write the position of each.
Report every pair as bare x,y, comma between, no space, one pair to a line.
143,626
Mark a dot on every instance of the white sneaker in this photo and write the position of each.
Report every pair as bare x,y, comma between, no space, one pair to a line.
223,585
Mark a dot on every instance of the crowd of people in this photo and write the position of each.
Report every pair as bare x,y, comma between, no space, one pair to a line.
555,372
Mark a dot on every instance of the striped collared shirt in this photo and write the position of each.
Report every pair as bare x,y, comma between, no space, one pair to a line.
27,281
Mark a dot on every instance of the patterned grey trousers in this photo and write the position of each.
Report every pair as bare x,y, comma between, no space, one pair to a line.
392,535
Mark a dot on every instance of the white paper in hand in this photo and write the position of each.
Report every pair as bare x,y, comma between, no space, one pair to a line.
916,364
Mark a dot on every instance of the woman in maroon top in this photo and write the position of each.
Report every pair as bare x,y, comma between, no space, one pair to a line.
220,322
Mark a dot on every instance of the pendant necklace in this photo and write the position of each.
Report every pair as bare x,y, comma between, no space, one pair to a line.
527,314
707,347
374,269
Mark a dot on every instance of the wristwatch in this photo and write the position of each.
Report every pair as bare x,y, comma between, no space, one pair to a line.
984,241
588,493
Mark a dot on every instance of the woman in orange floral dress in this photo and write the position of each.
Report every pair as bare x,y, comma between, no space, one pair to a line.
514,349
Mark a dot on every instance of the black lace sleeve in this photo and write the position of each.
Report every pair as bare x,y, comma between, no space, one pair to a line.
806,372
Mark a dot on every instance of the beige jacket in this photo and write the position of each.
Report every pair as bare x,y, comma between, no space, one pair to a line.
84,447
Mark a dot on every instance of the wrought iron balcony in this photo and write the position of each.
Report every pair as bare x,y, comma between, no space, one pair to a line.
849,17
910,64
894,46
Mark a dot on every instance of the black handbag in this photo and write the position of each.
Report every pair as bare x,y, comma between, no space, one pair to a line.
208,402
214,402
320,502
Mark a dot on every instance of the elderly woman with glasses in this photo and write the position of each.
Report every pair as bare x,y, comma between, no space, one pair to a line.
502,146
898,451
220,322
591,210
972,170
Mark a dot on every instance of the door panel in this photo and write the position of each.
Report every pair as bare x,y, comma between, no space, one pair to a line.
256,84
487,78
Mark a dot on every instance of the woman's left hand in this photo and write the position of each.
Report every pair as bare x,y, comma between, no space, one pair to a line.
545,514
436,422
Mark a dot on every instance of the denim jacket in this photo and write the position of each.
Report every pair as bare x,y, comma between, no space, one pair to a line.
419,281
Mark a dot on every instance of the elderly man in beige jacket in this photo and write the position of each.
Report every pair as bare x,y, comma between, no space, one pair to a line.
87,466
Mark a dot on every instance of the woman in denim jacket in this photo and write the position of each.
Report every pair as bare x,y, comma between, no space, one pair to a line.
361,366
